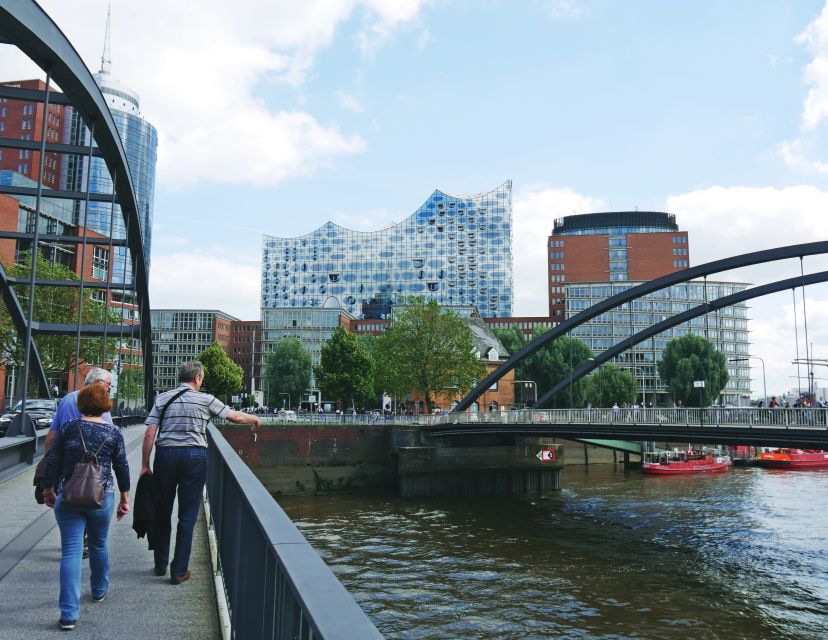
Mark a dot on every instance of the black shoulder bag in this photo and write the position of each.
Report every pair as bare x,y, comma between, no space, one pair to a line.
164,409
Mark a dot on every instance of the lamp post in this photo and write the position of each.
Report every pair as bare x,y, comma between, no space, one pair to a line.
764,380
643,387
288,397
534,387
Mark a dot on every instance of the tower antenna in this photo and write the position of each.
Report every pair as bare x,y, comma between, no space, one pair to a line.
106,56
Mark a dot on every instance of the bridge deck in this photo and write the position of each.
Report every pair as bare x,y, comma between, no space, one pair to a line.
139,605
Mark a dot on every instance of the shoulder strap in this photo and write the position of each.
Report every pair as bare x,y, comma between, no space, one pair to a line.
163,409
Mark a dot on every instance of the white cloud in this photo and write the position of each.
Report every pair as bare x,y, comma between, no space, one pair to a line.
564,8
349,102
815,38
815,107
212,278
201,74
385,16
724,222
533,212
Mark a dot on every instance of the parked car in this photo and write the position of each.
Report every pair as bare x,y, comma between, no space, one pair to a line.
286,416
40,410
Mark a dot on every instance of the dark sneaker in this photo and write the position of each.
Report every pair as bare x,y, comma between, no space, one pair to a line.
179,579
67,625
85,553
160,571
101,597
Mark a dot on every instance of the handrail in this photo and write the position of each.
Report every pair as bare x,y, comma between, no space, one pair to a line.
276,584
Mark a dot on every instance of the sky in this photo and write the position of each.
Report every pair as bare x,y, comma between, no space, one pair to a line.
277,116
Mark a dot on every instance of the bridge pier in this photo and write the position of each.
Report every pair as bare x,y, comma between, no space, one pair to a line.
526,465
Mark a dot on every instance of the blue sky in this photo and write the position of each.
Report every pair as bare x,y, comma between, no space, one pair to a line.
275,117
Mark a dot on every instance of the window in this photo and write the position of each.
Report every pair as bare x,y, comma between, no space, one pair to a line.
100,263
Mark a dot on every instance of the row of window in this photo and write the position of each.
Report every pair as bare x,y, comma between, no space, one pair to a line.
679,239
677,264
680,252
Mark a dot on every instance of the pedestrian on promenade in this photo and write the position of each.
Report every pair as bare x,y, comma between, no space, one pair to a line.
67,411
181,458
89,433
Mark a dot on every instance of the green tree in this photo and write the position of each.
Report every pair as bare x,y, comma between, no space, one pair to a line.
54,304
131,386
688,359
610,384
514,340
287,371
222,376
425,351
553,363
346,370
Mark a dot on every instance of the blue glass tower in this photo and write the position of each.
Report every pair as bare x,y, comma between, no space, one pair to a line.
140,141
456,250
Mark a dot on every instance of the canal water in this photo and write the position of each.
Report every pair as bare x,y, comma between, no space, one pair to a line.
742,554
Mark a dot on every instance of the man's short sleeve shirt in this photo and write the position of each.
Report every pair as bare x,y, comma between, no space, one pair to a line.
186,418
67,410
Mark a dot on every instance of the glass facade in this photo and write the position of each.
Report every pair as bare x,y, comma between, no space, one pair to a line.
725,328
456,250
140,141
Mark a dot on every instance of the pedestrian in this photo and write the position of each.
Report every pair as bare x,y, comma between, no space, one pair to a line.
67,411
181,459
89,434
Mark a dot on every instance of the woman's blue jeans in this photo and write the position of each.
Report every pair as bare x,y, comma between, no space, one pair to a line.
73,521
182,470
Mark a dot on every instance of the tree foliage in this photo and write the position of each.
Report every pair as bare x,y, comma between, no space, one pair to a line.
287,371
553,363
53,304
609,385
690,358
514,340
425,351
346,370
222,376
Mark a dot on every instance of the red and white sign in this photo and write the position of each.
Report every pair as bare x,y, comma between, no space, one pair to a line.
547,455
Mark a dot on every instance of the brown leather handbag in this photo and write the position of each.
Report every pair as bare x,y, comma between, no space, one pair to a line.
85,487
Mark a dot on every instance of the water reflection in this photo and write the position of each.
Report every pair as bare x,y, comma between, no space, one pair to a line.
615,555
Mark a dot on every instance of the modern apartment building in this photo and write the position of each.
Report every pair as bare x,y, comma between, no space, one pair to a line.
456,250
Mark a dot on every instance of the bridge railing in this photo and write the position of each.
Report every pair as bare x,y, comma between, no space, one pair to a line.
276,585
802,418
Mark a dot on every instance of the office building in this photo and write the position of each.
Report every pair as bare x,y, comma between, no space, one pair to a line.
615,246
179,335
23,120
456,250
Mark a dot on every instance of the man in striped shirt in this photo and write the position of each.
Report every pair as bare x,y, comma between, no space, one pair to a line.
181,458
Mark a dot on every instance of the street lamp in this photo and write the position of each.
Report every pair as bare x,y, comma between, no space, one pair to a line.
283,402
643,387
764,380
534,387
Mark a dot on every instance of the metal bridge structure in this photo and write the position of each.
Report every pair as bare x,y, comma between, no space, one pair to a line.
797,428
56,216
701,271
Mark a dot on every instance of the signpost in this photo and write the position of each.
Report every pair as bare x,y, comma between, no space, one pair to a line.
699,384
547,455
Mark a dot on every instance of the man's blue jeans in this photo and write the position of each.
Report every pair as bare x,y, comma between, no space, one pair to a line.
72,522
183,469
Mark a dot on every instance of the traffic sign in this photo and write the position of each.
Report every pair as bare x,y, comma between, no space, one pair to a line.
547,455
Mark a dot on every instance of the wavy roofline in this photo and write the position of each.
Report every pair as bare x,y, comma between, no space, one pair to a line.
391,224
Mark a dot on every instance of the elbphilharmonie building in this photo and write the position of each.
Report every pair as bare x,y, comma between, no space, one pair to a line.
456,250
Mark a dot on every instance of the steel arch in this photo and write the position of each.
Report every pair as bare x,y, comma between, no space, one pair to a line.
725,264
719,303
25,24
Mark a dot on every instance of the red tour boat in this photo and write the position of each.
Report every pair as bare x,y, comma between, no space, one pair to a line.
684,462
793,458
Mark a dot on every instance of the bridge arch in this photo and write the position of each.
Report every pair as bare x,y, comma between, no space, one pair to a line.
26,25
716,266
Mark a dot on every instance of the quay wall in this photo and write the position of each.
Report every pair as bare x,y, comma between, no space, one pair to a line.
295,459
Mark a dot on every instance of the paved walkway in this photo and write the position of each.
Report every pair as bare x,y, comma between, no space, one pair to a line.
139,604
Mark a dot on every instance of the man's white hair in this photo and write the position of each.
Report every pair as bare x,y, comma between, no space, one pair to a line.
95,374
